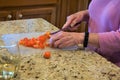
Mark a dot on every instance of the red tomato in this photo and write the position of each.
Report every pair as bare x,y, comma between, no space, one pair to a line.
47,55
21,42
41,46
42,39
25,39
47,34
39,42
47,44
36,46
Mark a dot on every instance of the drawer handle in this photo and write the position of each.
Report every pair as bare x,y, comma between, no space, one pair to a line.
9,16
20,15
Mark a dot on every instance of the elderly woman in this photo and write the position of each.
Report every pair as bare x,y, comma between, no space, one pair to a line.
103,18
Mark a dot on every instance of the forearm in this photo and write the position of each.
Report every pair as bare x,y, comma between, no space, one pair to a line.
93,40
86,15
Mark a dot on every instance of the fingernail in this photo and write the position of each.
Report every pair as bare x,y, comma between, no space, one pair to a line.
72,25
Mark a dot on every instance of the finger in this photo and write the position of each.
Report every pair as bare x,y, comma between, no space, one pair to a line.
51,42
69,21
67,44
74,28
77,20
54,38
57,43
62,41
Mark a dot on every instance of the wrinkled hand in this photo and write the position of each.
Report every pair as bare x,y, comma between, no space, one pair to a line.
66,39
75,18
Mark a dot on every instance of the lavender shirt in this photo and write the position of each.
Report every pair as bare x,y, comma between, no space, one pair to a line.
105,20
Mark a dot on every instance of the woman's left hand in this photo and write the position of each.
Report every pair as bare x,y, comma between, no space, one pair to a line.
66,39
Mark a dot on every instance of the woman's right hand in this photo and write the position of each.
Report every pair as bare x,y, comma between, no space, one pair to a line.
76,18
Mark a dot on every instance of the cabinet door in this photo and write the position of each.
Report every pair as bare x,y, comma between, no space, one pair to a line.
6,15
15,3
68,7
48,13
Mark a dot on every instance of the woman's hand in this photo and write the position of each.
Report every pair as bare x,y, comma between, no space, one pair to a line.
76,18
66,39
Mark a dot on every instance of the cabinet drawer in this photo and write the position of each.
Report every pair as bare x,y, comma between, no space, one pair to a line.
11,3
6,15
48,13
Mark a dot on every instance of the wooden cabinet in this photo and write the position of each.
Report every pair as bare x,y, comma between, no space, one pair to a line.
6,15
24,9
54,11
68,7
48,13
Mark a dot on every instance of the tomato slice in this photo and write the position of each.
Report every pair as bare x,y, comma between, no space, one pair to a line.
39,42
47,55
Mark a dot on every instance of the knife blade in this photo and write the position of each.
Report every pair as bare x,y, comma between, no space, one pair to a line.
65,29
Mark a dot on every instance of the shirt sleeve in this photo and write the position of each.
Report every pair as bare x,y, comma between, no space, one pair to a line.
109,43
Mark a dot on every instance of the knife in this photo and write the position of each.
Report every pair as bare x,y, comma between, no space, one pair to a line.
65,29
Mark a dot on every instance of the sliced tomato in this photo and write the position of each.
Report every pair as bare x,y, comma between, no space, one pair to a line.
47,55
39,42
41,45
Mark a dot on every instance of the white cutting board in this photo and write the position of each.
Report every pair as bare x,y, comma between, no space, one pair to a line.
12,38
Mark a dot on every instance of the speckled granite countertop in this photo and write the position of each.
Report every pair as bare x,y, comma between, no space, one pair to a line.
25,26
63,64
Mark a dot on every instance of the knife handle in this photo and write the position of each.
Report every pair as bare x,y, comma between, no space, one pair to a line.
65,29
